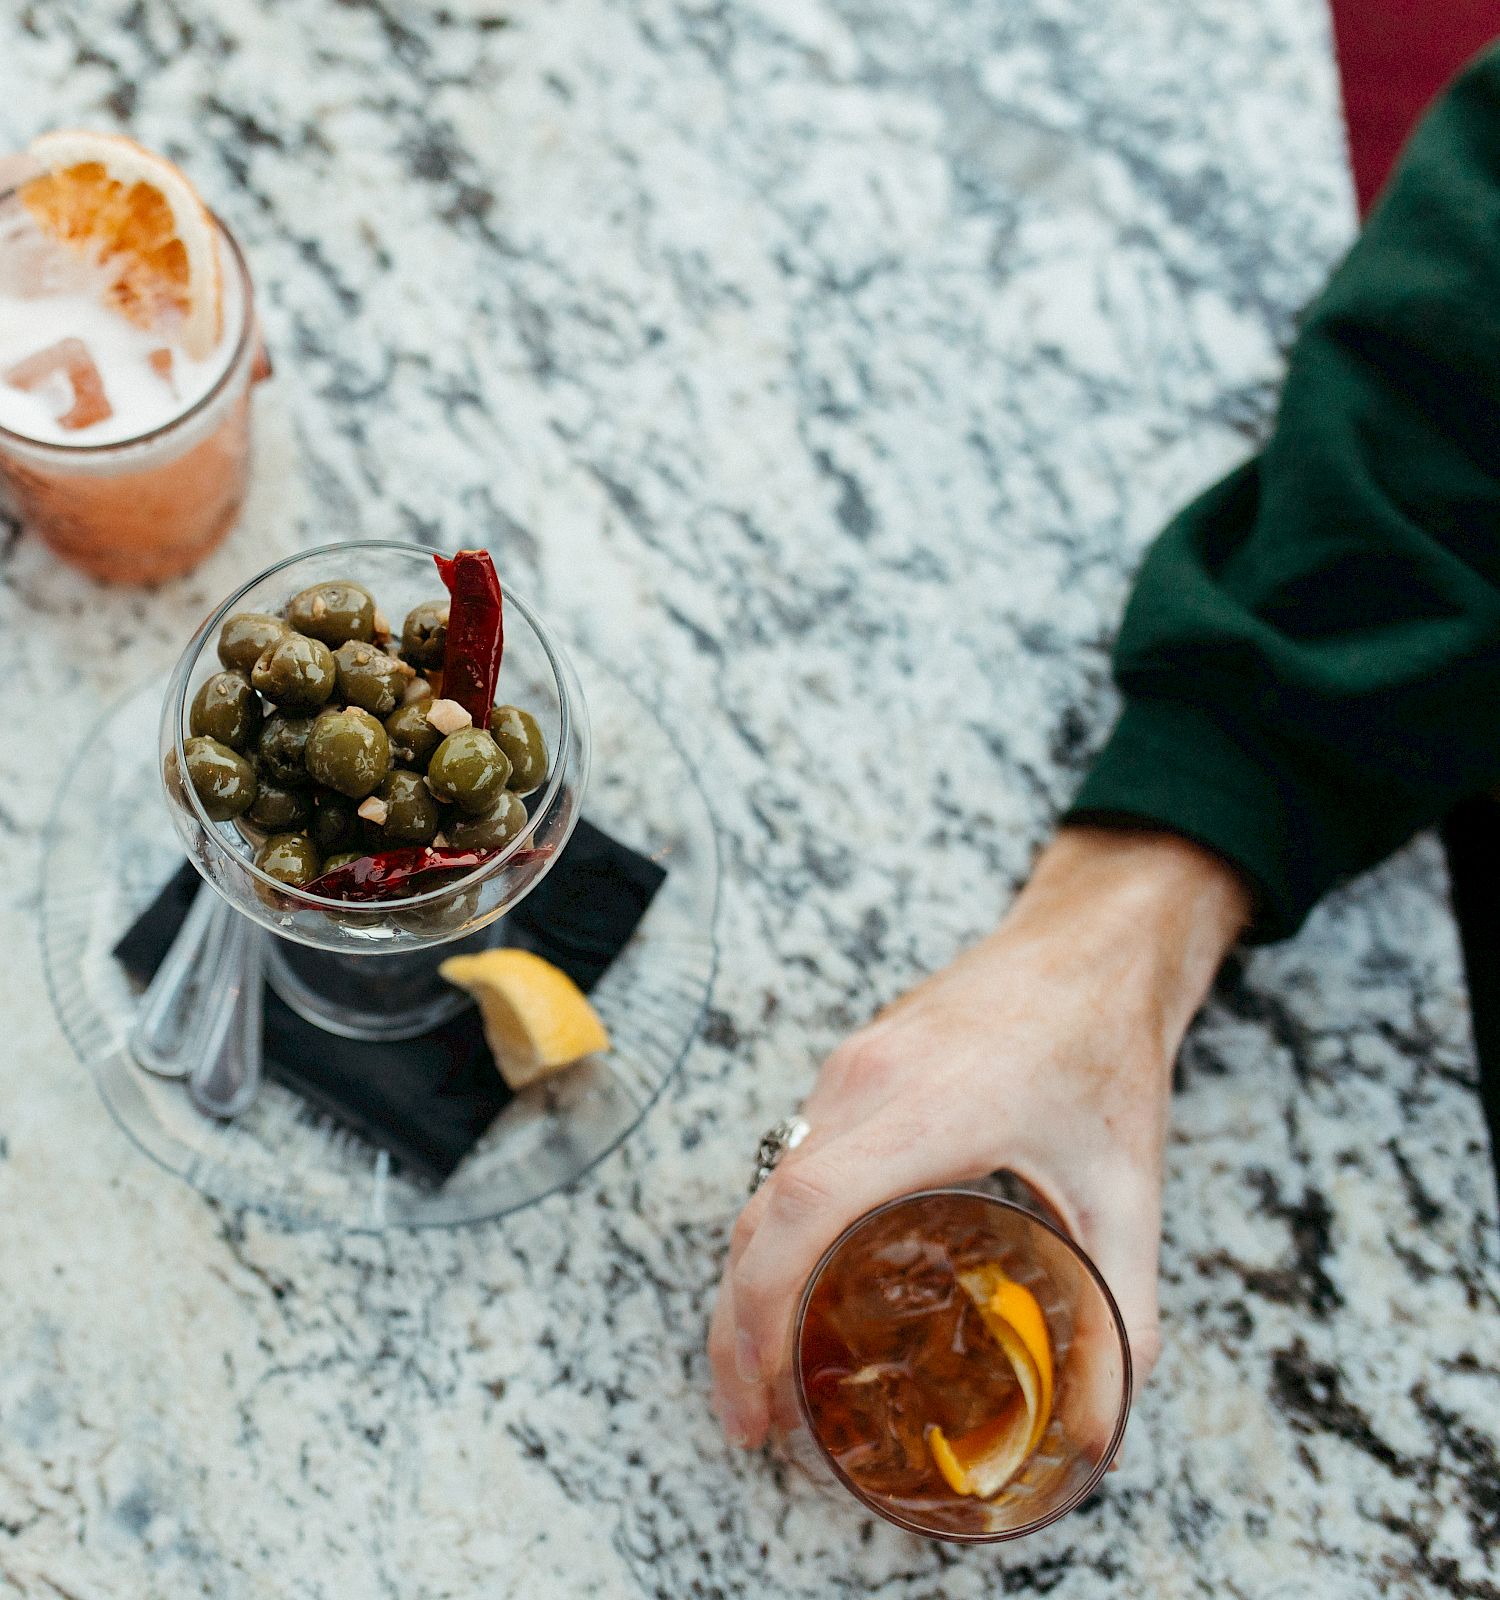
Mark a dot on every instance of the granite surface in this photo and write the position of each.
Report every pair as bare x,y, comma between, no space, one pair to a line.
826,364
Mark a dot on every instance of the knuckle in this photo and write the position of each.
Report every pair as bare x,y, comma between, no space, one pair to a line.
719,1342
802,1191
797,1197
862,1062
744,1229
1145,1348
758,1293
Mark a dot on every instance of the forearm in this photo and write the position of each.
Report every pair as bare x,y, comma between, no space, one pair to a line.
1311,658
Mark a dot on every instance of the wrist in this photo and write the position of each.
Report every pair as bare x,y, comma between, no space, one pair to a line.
1155,914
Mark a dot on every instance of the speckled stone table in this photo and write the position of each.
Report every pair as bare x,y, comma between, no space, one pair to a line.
826,364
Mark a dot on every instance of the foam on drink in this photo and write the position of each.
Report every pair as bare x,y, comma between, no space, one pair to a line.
52,299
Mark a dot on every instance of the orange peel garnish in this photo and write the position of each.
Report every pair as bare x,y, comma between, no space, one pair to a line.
135,214
1012,1305
982,1461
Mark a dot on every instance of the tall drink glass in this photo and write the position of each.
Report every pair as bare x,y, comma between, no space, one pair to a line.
139,506
894,1360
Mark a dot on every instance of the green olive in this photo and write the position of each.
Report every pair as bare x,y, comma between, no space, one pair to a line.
424,634
443,916
492,831
278,809
469,769
223,779
341,859
334,612
369,678
246,636
413,738
289,858
412,815
296,671
348,751
226,708
282,748
332,825
520,737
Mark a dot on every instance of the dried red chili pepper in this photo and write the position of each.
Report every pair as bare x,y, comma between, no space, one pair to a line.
476,632
394,872
538,852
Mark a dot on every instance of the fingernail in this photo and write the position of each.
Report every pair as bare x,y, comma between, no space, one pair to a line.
746,1362
730,1422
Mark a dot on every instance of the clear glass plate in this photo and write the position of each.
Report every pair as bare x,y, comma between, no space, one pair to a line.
110,847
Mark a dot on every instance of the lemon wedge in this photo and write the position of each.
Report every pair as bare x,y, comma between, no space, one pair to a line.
536,1019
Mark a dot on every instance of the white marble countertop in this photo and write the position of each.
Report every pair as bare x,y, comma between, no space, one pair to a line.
827,364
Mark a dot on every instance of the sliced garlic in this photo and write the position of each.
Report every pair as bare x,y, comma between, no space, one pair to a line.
448,716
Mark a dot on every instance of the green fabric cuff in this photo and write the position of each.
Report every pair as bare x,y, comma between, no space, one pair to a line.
1173,766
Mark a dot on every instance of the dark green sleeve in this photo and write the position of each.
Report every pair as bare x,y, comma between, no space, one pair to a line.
1311,658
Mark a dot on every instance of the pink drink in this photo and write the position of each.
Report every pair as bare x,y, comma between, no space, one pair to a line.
127,458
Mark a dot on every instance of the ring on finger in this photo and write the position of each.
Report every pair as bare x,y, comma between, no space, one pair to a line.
774,1144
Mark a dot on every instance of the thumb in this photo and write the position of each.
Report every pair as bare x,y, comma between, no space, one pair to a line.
1121,1239
1125,1249
1125,1245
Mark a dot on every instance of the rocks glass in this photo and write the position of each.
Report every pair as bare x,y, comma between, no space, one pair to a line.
889,1348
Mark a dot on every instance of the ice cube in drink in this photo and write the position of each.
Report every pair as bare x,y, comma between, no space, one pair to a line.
66,380
128,456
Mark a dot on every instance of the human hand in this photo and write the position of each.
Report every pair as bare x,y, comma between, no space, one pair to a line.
1046,1050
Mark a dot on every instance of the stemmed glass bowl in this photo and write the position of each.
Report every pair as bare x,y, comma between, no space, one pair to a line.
359,969
371,971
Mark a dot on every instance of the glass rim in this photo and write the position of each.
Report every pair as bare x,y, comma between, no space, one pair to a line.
177,705
867,1500
199,406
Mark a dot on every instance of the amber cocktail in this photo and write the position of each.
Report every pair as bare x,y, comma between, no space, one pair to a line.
962,1366
124,430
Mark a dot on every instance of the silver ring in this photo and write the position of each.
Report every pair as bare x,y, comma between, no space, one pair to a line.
774,1144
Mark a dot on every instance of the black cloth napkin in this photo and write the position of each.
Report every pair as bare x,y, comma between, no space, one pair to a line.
430,1099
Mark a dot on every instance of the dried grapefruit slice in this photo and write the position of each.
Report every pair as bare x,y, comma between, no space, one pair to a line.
982,1461
140,218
